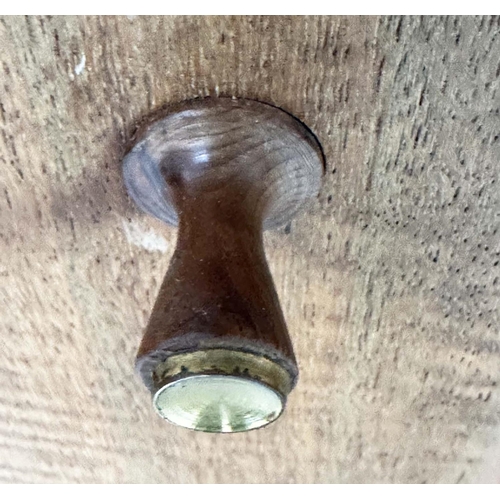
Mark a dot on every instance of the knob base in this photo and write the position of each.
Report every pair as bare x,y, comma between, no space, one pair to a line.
268,156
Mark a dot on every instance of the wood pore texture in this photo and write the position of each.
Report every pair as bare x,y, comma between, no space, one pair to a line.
390,282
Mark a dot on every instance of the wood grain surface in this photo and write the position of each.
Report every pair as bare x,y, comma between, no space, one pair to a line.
390,283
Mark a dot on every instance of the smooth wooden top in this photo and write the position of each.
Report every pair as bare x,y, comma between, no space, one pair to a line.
389,284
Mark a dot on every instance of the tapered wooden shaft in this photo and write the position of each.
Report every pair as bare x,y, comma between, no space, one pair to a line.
218,289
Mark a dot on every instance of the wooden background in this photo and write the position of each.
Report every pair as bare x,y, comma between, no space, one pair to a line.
390,283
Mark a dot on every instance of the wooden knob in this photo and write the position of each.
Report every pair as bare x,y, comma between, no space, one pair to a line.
216,353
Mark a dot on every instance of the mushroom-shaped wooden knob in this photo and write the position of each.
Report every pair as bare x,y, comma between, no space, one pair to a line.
216,353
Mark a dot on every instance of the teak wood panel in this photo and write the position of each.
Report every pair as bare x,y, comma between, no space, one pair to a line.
389,283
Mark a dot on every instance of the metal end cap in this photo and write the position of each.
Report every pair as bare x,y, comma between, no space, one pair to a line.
220,390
